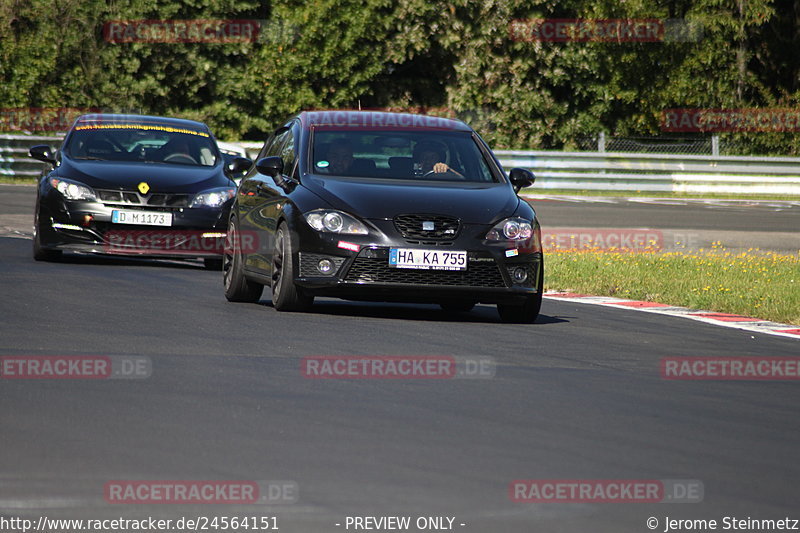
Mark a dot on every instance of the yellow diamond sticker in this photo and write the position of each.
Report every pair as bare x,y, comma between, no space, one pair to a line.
144,187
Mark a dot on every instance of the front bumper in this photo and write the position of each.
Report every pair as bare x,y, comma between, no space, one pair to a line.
365,274
86,226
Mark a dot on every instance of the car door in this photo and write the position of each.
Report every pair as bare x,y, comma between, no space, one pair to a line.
266,197
272,209
247,203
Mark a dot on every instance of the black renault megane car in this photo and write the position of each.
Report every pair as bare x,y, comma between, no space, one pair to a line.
383,207
135,185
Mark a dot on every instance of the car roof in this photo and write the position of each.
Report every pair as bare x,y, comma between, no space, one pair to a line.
344,118
102,118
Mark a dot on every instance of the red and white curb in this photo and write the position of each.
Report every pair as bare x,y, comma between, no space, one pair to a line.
709,317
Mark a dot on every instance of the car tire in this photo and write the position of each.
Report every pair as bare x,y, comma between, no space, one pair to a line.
286,296
40,253
457,306
237,287
525,313
212,263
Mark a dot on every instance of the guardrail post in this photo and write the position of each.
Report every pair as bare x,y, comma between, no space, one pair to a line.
601,142
715,145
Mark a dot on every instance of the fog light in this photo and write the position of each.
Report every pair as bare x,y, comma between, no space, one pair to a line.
325,266
520,274
87,220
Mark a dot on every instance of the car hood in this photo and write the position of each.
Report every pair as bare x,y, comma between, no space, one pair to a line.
475,203
161,177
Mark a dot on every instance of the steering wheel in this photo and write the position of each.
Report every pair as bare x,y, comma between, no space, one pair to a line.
448,171
181,158
116,144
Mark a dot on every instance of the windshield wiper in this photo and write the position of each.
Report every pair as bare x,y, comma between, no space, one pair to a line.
91,158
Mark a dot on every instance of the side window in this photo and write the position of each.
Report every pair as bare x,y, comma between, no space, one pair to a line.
277,144
287,152
265,149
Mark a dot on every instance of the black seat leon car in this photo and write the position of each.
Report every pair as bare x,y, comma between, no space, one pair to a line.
377,206
135,185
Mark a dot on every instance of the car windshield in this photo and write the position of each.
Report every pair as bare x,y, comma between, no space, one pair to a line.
428,155
148,143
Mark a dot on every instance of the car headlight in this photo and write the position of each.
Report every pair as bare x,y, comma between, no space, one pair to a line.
332,221
511,229
213,197
72,190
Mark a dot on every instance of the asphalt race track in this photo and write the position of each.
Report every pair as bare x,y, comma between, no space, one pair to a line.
711,215
576,396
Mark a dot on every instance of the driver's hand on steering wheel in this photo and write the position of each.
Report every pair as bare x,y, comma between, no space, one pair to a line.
442,168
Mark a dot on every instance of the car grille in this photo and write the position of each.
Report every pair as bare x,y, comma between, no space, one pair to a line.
478,274
410,226
133,198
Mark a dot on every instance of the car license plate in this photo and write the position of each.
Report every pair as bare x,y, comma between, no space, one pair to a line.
427,259
141,218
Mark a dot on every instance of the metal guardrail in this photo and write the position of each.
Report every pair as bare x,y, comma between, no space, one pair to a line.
609,171
617,171
14,158
252,147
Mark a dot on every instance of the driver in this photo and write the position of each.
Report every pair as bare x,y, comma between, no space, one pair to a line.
340,157
178,149
429,158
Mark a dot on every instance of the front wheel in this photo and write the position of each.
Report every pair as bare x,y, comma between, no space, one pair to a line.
40,253
527,312
286,296
237,287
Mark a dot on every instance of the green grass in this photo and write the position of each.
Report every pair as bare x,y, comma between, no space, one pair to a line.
753,283
12,180
533,191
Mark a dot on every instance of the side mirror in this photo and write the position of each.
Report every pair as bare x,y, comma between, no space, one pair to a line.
521,178
43,153
270,166
238,164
